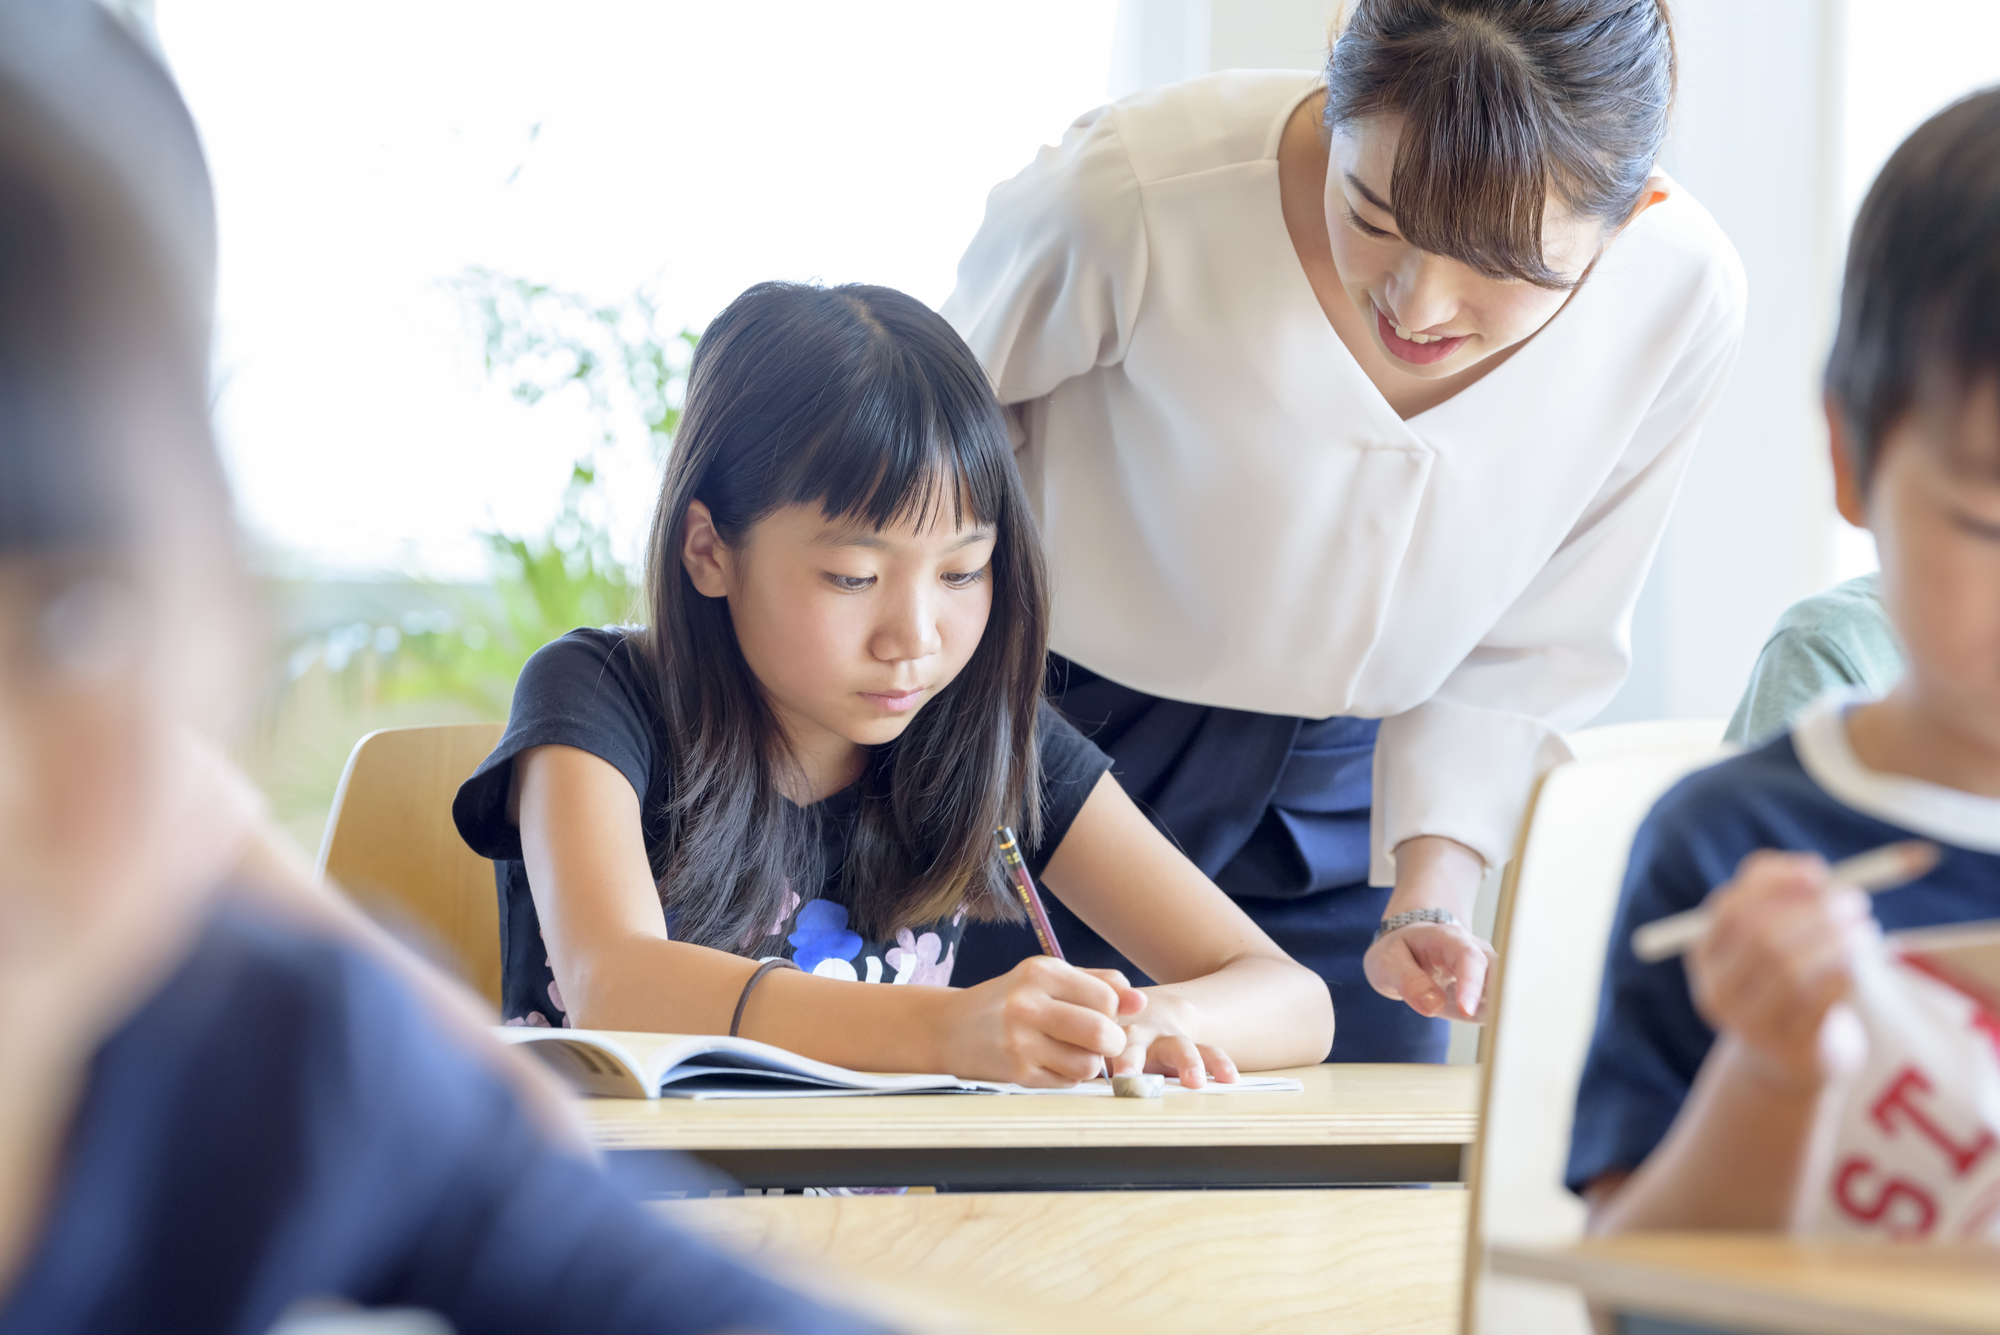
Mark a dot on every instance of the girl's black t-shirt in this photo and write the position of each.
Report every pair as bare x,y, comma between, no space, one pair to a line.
585,690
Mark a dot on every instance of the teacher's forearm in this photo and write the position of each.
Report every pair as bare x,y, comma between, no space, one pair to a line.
1433,872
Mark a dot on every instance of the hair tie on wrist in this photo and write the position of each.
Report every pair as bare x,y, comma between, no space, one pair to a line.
736,1020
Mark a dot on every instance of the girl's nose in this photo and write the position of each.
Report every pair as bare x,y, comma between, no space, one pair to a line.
909,631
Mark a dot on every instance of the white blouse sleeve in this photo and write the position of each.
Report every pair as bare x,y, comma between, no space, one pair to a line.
1050,286
1464,763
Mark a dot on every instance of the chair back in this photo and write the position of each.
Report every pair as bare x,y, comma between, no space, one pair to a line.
391,844
1551,927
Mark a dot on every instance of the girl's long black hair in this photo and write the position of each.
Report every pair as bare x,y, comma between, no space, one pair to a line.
864,402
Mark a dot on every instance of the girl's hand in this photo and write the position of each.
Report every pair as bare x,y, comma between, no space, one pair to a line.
1431,965
1157,1042
1042,1023
1777,963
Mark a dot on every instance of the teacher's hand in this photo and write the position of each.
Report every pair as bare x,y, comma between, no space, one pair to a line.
1436,968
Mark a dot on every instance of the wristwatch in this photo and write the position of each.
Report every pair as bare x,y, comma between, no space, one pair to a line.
1411,918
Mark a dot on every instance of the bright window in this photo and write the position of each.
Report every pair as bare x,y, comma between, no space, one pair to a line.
365,153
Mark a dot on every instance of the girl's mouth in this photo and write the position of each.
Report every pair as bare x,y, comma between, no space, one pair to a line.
1406,348
896,702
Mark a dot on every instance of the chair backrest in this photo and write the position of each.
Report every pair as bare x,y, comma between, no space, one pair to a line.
391,844
1551,928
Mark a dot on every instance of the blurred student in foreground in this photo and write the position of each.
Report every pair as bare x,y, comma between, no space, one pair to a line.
211,1105
1705,1084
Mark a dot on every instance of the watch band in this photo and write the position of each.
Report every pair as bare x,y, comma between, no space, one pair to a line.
1411,918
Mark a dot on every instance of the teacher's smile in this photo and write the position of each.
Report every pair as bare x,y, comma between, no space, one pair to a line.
1415,348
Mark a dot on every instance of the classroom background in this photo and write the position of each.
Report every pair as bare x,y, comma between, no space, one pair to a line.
464,243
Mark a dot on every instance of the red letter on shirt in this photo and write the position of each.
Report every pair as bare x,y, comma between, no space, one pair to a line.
1986,1022
1900,1098
1896,1188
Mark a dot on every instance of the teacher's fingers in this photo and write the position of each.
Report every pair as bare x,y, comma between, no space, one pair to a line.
1468,963
1398,974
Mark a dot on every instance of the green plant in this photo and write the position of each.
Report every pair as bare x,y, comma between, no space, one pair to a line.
359,654
542,341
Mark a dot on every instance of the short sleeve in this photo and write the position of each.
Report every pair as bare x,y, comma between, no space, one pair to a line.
1071,767
1794,669
1650,1042
583,690
1838,638
1050,286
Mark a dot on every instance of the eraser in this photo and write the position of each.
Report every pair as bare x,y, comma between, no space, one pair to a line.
1138,1086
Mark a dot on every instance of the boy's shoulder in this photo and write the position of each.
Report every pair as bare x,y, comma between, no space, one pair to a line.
1805,791
1741,799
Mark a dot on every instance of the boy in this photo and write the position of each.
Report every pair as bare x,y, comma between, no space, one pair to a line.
1707,1077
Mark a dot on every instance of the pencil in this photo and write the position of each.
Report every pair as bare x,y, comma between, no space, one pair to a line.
1024,886
1880,869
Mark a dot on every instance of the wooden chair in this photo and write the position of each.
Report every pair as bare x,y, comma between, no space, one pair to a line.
1551,928
391,844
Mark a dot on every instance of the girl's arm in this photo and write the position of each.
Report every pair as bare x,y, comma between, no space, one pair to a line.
1770,977
1041,1024
1229,996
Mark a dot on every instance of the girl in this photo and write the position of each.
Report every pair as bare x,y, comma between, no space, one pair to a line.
806,754
1353,405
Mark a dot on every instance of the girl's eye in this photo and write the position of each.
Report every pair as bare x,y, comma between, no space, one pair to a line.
1369,229
964,579
851,583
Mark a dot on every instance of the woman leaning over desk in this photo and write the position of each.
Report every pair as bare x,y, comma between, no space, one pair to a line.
1353,407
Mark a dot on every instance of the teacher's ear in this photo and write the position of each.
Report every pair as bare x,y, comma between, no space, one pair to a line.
1656,191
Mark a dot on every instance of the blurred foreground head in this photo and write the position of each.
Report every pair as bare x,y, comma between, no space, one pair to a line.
120,609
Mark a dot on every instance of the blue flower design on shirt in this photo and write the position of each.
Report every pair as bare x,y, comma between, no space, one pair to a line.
821,934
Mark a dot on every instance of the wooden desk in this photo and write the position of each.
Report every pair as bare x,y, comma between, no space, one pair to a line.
1161,1262
1353,1125
1027,1210
1721,1282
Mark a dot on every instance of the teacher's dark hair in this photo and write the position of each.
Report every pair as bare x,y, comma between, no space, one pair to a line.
864,402
1503,103
1920,302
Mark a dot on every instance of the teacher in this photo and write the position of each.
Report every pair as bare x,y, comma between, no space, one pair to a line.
1353,408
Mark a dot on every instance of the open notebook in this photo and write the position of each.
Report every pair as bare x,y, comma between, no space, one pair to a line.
713,1066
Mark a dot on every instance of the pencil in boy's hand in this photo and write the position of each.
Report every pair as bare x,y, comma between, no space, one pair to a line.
1880,869
1024,886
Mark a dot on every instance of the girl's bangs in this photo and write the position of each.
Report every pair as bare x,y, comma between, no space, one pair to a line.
903,457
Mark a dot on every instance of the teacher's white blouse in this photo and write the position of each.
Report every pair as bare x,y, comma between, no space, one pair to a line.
1235,516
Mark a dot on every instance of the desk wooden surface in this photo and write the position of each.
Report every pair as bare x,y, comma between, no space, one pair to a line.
1764,1283
1162,1262
1341,1105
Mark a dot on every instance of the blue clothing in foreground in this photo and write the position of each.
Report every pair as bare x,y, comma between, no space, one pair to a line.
1275,810
278,1122
1804,792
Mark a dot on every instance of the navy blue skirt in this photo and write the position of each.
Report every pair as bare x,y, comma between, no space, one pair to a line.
1275,810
